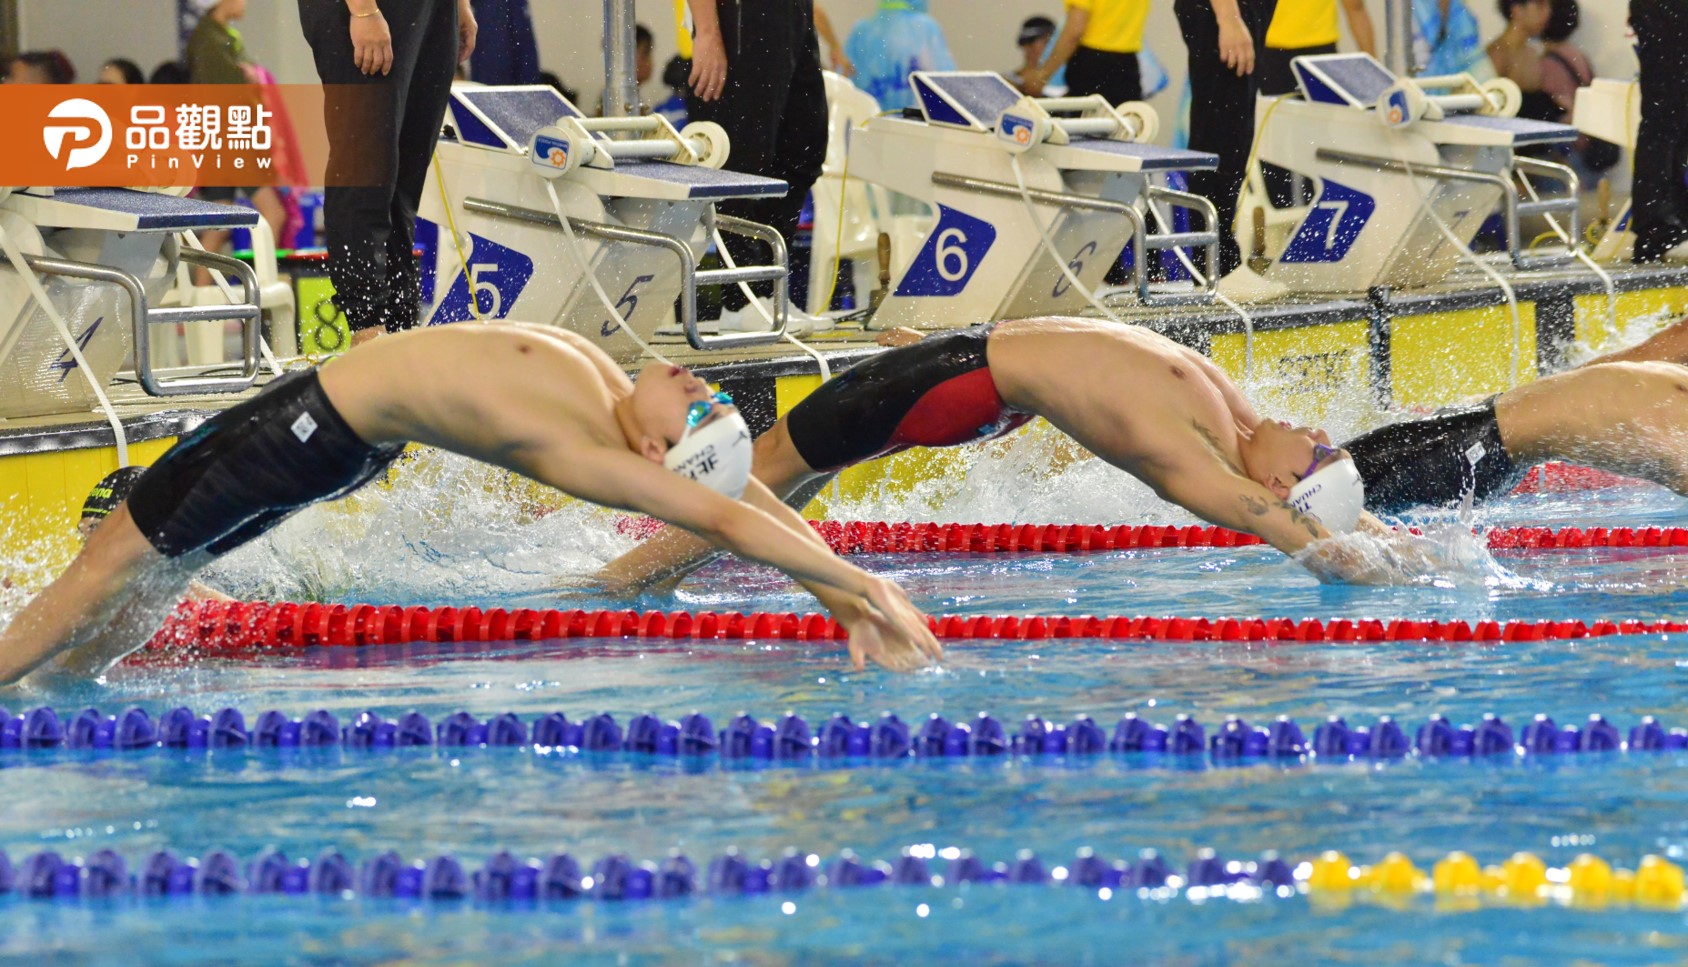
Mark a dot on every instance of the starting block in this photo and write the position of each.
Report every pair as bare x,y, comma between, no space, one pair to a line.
1085,165
1388,157
643,209
106,256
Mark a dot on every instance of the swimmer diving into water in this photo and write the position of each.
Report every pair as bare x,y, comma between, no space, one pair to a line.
541,402
1157,410
1626,417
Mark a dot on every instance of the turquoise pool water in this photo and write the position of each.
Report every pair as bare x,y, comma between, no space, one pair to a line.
473,802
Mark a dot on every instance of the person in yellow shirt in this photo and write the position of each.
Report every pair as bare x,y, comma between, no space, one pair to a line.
1301,27
1098,46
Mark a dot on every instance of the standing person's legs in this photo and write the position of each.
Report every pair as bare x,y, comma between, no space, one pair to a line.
800,133
759,71
1117,77
1221,113
1276,78
364,115
419,131
1661,145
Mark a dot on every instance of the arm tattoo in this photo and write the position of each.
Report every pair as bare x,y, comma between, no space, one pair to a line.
1254,505
1260,508
1297,517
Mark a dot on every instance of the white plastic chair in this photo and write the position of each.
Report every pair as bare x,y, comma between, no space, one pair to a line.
863,207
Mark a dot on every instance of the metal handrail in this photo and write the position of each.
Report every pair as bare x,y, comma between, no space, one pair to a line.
143,317
690,275
1140,236
1567,202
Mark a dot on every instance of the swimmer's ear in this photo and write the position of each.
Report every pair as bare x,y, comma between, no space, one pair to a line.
653,448
1277,486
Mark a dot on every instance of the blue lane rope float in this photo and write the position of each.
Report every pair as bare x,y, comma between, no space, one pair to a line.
1523,879
792,738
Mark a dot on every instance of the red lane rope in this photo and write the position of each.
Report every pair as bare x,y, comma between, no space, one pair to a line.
883,537
221,627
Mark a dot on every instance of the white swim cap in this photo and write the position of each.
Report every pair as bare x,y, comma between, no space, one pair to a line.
716,454
1335,495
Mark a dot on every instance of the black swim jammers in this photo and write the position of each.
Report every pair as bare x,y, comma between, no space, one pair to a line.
934,393
1434,461
245,470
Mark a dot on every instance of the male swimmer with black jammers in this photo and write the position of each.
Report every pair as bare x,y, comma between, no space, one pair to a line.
1167,415
1157,410
538,401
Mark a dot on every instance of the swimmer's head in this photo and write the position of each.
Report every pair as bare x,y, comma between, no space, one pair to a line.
105,497
691,429
1300,466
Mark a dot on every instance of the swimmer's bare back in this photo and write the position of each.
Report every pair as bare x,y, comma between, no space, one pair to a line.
502,394
1128,394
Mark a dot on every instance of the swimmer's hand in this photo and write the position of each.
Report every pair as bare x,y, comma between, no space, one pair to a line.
890,630
1395,557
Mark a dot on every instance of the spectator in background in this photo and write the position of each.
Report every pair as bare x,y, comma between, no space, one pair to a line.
41,67
1036,34
835,56
1660,221
1445,39
217,55
673,107
1098,46
507,52
1517,55
1305,27
120,71
900,37
169,72
644,54
1564,69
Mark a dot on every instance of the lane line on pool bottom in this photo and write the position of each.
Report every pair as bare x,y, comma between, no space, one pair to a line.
210,627
1523,879
790,738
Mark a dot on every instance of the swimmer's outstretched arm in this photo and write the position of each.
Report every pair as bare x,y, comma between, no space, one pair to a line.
890,627
1206,486
668,556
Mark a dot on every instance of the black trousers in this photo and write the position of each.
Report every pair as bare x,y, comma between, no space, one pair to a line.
381,134
1116,77
1221,111
1661,146
774,110
1275,77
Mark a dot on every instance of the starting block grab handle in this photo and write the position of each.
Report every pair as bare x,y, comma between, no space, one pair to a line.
690,276
143,317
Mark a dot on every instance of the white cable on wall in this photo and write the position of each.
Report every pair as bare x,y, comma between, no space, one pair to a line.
573,245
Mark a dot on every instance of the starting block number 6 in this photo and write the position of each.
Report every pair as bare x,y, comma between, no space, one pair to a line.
950,256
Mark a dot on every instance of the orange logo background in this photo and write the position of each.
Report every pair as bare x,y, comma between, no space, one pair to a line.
228,135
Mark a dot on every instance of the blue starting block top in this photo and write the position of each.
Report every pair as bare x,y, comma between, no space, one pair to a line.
1523,130
1151,157
1355,80
124,209
965,99
507,117
702,182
